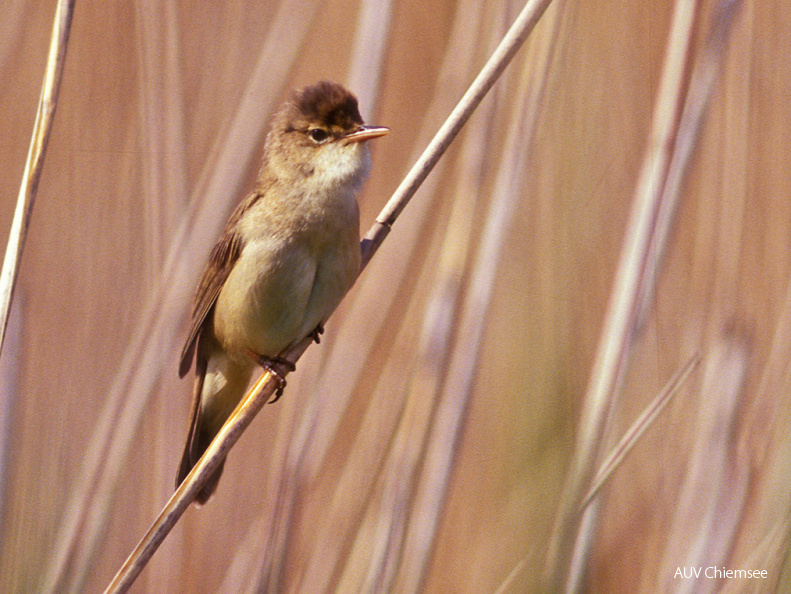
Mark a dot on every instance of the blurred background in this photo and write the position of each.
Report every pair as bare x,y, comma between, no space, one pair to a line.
425,443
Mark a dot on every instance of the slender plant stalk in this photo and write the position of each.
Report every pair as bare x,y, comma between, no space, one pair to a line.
241,417
126,401
643,422
674,134
368,51
620,319
263,389
708,510
42,127
510,578
320,418
502,56
453,395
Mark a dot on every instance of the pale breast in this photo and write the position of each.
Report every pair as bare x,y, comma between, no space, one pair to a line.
287,283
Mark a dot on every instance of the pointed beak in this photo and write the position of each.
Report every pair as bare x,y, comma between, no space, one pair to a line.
364,133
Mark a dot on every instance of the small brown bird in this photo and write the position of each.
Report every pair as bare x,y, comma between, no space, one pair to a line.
288,255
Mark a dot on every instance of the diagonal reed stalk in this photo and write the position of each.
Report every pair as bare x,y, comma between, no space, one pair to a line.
109,199
675,129
620,317
643,422
502,56
446,376
265,386
116,429
713,492
625,445
303,448
48,102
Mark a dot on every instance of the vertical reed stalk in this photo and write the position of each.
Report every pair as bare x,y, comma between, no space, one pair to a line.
42,127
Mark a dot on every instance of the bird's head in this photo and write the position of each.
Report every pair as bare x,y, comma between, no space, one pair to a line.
319,135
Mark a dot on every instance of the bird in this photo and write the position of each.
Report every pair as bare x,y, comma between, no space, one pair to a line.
287,256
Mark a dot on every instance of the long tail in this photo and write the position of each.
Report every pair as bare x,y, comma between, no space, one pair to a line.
198,440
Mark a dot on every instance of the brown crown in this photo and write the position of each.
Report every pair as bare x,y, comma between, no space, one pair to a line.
329,103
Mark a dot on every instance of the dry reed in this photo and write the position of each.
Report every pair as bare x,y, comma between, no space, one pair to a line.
263,389
393,462
42,127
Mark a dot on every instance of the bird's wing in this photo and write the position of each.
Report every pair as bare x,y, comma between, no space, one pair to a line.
221,262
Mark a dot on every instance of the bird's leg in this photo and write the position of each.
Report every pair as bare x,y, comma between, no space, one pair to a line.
317,332
275,366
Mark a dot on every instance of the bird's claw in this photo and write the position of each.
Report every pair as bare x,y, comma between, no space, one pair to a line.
317,332
275,366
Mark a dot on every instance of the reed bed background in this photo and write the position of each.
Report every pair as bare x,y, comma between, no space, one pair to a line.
433,440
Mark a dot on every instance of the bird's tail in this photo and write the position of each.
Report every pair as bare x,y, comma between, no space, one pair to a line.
198,441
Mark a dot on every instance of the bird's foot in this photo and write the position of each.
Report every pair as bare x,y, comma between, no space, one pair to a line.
278,367
317,332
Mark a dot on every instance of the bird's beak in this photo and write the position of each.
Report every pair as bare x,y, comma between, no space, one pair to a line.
364,133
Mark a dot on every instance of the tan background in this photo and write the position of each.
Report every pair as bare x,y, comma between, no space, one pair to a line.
162,112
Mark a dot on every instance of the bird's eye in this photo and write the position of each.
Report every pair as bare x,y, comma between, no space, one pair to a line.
318,135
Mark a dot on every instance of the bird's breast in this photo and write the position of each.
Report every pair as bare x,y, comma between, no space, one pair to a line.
296,265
